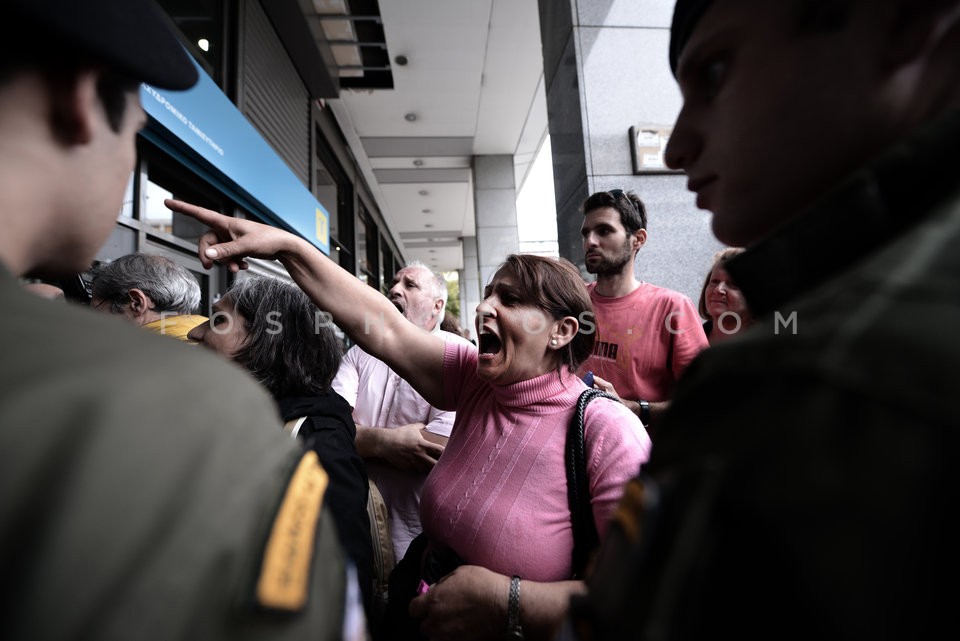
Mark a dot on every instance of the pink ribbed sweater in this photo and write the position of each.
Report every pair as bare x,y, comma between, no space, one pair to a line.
498,495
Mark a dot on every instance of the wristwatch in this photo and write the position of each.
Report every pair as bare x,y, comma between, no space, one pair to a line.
514,630
644,412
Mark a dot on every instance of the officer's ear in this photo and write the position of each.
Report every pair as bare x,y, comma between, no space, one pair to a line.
73,106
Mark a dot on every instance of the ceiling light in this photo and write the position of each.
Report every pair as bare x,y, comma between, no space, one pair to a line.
428,225
204,44
423,192
427,211
401,60
410,117
418,163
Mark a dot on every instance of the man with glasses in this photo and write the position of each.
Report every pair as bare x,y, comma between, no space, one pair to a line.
646,335
150,291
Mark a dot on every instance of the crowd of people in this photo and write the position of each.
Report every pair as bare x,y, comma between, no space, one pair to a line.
602,462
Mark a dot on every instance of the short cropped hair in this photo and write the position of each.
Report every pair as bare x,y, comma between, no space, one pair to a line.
720,258
633,213
170,286
555,286
821,16
290,347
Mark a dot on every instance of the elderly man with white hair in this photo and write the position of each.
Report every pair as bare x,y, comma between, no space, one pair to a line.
151,291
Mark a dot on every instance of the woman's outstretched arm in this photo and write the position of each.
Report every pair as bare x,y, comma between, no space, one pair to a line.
362,312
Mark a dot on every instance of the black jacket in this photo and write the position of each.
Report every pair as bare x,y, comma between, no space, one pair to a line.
330,432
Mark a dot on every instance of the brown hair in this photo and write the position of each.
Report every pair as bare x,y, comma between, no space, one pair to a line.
633,213
719,258
451,323
556,286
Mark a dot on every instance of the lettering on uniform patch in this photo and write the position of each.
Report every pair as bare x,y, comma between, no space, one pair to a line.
284,581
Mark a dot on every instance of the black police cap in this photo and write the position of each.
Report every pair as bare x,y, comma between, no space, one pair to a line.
686,15
134,37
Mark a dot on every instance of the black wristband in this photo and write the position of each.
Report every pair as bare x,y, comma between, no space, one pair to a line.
644,412
514,630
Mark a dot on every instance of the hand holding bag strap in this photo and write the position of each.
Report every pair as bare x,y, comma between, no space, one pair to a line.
585,537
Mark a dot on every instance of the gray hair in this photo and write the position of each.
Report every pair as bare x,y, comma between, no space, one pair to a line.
437,283
170,286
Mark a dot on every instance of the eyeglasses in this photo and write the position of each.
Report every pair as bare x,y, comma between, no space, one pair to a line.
618,194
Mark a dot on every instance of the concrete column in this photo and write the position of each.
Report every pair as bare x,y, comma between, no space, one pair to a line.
470,288
495,208
605,71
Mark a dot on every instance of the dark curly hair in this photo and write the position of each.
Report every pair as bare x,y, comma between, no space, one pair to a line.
290,346
633,213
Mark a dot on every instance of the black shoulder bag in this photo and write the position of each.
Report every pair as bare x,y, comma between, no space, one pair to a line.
585,537
407,573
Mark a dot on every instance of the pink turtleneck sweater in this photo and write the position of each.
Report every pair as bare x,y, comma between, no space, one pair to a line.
498,495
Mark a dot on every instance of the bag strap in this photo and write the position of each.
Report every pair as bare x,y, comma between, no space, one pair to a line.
292,427
585,537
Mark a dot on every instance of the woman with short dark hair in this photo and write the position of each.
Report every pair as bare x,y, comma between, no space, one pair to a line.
275,332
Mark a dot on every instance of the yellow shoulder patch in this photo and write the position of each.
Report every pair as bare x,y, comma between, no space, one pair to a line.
629,512
284,581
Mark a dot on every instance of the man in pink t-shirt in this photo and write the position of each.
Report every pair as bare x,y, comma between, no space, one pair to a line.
646,335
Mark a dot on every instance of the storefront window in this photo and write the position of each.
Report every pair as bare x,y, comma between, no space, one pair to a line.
167,179
127,208
389,269
368,248
335,192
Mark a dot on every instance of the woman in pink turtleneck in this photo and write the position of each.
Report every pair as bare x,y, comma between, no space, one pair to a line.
497,498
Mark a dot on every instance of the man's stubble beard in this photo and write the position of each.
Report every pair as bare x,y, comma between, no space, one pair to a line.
608,267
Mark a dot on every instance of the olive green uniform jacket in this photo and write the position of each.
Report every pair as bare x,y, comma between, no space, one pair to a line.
804,484
140,483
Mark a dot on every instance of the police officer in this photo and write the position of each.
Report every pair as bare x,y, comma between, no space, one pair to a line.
131,505
802,485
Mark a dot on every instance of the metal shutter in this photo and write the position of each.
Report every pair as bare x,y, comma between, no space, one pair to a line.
274,99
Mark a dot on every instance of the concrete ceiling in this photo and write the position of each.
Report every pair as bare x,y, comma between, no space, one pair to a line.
472,85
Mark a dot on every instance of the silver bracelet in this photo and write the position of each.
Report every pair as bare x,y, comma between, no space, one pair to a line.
514,630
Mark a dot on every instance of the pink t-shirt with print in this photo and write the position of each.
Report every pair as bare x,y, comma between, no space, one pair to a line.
644,341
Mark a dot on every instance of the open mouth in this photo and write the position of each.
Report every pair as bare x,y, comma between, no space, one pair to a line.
489,344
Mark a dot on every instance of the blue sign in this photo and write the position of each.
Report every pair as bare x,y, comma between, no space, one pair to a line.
205,119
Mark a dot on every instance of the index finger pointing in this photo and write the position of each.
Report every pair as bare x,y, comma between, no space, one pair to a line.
206,216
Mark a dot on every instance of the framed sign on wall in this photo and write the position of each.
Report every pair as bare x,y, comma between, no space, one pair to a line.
647,144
